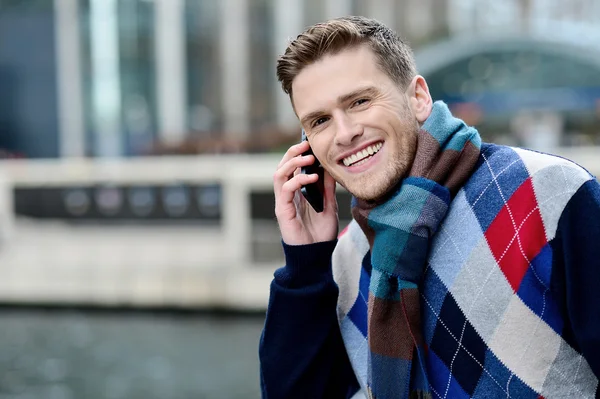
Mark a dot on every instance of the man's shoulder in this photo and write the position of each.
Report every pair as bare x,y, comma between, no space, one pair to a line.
515,181
541,167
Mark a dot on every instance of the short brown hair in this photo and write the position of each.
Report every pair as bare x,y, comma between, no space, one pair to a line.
395,57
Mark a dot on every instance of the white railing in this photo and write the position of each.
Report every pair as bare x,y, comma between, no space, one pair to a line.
159,265
54,261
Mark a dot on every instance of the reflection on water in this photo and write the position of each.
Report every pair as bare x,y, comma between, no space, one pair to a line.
93,355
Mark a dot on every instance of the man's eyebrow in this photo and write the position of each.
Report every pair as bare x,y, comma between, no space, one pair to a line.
311,116
363,91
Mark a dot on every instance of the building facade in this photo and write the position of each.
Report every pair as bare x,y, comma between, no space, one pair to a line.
112,77
126,73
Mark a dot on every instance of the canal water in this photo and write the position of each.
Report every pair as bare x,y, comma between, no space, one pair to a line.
68,354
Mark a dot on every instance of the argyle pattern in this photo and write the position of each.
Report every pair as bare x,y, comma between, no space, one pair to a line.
491,326
400,230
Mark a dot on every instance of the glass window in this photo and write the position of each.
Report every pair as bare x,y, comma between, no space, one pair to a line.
203,72
136,80
28,90
262,64
137,69
25,5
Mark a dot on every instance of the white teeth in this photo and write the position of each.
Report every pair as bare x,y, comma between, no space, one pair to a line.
360,156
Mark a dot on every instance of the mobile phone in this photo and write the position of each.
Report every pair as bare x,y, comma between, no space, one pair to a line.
313,192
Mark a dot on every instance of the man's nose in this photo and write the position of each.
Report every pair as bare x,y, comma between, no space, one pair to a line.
347,129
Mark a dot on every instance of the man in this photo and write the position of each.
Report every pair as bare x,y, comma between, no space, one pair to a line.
469,270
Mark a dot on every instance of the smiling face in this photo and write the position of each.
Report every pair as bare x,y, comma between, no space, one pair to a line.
361,126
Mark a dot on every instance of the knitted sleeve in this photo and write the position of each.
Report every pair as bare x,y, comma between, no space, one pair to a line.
301,351
576,271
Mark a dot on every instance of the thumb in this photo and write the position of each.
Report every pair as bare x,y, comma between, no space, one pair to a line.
329,185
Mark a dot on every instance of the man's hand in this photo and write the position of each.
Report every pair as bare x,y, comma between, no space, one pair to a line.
298,221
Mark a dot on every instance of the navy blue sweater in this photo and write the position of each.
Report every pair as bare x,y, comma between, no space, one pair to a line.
301,351
302,354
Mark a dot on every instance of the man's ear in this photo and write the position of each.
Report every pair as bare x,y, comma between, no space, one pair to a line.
419,98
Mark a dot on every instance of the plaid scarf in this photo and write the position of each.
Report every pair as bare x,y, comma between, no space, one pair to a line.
400,231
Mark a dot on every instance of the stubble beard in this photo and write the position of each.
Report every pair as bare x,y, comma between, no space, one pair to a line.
375,188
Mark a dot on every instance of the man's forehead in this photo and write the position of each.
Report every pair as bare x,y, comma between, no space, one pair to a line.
323,82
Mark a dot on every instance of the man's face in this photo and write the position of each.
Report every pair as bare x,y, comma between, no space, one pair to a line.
358,121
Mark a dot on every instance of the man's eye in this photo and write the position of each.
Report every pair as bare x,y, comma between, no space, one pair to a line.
360,101
319,121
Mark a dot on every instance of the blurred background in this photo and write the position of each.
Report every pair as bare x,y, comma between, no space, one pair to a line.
138,140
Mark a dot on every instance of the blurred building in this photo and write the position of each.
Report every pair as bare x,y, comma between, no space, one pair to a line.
526,72
108,78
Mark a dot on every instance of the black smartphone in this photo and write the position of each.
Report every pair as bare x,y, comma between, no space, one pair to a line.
313,192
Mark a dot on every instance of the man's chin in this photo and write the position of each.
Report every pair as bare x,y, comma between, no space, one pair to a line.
373,193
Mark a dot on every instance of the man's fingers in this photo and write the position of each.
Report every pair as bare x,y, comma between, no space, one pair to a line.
329,184
290,187
287,180
294,151
328,181
286,171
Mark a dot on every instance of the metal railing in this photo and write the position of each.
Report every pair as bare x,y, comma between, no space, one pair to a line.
166,264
